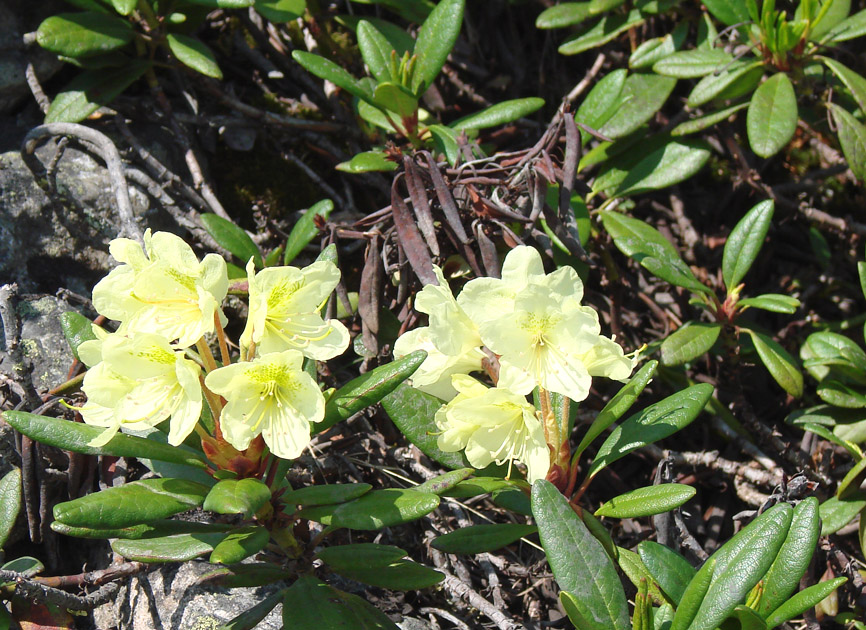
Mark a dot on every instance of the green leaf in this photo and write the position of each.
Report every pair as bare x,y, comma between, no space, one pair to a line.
77,329
692,596
92,89
713,85
247,575
829,349
223,4
124,7
281,11
689,342
781,365
691,64
836,513
498,114
663,166
642,96
367,162
369,555
855,83
835,15
10,503
773,302
154,529
605,30
251,618
133,503
27,566
479,485
618,405
435,40
562,15
237,496
327,494
728,11
647,501
853,27
654,252
744,243
654,423
328,70
380,508
395,98
413,412
313,605
791,563
83,34
771,119
849,486
376,51
579,563
399,40
602,101
852,137
803,601
178,548
704,122
445,482
657,48
379,565
481,538
76,437
194,54
231,237
669,569
239,544
305,229
368,389
445,141
634,568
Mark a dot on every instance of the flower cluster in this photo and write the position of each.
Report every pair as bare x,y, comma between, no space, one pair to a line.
543,338
166,301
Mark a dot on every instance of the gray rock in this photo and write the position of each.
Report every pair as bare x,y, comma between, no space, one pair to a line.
42,339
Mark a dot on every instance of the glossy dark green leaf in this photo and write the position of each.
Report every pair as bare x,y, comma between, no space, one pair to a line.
803,601
133,503
251,618
653,50
479,485
634,568
579,563
618,405
783,577
498,114
76,437
376,51
853,480
281,11
313,605
744,243
779,363
705,122
305,229
239,544
602,101
10,503
359,555
435,41
855,83
445,482
835,15
773,302
747,618
413,412
825,352
83,34
605,30
481,538
600,533
654,423
771,119
854,26
153,529
689,342
445,141
728,11
237,496
379,565
714,85
92,89
647,501
27,566
247,575
669,569
852,137
194,54
642,96
367,162
693,595
836,514
393,97
77,329
562,15
399,39
177,548
691,64
124,7
381,508
231,237
368,389
328,70
327,494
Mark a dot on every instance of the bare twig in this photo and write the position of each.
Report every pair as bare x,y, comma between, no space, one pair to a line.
34,591
12,337
36,89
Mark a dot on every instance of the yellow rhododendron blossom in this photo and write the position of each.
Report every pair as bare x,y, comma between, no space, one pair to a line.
451,341
493,424
140,382
166,291
284,311
271,396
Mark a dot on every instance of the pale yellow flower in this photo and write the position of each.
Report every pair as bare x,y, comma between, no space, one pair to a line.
493,425
284,311
140,382
271,396
166,291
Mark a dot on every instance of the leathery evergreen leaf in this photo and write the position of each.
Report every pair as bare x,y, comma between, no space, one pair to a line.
328,494
669,569
239,544
498,114
310,604
92,89
83,34
10,503
744,243
77,329
836,513
305,229
781,365
647,501
852,137
376,51
771,119
232,237
481,538
177,548
689,342
579,563
642,96
435,41
803,601
194,54
237,496
384,508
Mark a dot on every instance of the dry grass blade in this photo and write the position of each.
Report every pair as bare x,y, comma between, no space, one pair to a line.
420,203
410,237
